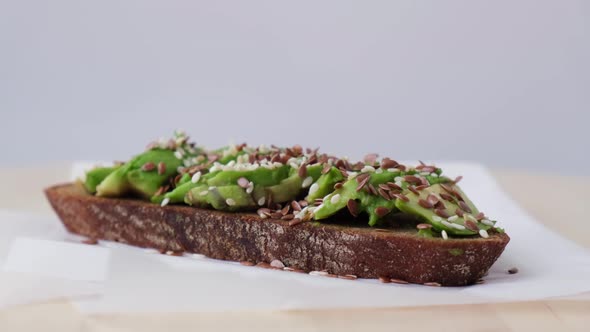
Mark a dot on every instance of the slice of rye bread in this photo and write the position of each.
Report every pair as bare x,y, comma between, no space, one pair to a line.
362,251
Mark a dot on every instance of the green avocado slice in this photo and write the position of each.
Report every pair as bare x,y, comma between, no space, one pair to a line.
455,225
95,176
133,177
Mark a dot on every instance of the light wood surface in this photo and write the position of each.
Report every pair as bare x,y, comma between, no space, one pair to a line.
537,193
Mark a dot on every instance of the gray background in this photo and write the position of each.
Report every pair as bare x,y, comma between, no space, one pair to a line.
506,83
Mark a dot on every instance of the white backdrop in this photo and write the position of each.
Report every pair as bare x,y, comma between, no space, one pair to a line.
506,83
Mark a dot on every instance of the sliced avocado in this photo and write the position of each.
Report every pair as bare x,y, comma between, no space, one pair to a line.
374,205
131,177
261,176
115,184
146,183
440,223
95,176
325,184
291,187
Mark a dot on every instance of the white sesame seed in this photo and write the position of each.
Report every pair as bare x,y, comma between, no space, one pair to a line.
230,202
178,155
165,201
437,218
307,182
261,201
434,175
446,223
393,170
196,177
459,227
424,173
379,170
250,187
483,233
368,169
444,235
398,183
212,188
487,222
352,175
314,187
277,263
453,218
204,192
319,207
198,256
335,199
398,179
318,273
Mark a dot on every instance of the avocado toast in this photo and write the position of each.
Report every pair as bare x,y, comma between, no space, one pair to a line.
288,208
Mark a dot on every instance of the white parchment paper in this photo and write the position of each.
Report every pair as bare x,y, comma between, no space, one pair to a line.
139,280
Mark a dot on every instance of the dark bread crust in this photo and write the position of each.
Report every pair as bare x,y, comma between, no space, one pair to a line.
341,250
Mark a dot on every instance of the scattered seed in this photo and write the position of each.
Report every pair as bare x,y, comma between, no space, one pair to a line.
327,167
161,168
353,207
398,281
318,201
230,202
483,233
394,186
437,218
457,179
285,210
385,280
250,187
464,207
487,222
307,182
243,182
338,185
413,189
480,281
295,206
447,197
459,212
422,187
196,177
384,194
387,163
442,213
381,211
513,270
276,215
402,197
432,284
432,199
335,199
424,226
149,166
372,189
318,273
470,225
289,216
165,201
302,172
412,179
444,234
370,158
425,204
314,187
246,263
277,263
480,216
348,277
453,218
362,182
